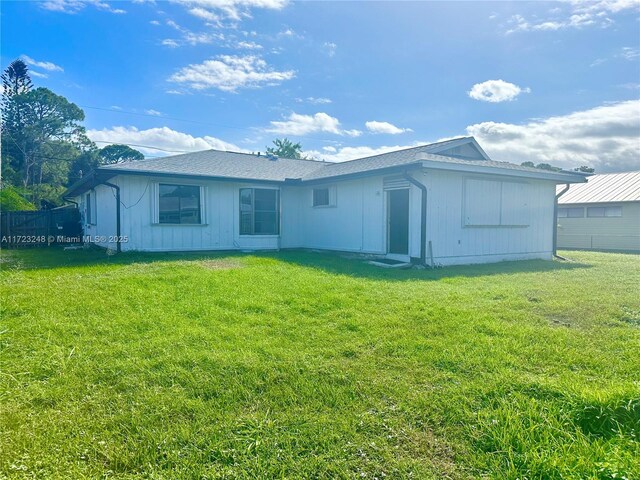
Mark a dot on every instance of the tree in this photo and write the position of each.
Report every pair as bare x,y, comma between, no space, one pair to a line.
541,166
49,138
15,82
286,148
16,79
584,169
546,166
118,153
83,164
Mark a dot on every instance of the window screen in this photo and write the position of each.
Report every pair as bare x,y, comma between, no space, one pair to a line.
570,212
604,211
179,204
259,211
320,197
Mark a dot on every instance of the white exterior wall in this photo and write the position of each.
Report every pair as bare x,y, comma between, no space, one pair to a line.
454,243
104,215
219,231
357,222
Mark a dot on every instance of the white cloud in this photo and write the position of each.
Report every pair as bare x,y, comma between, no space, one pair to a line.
191,38
235,10
343,154
630,86
248,46
204,14
496,91
297,124
38,74
385,127
330,48
229,73
153,112
74,6
163,137
49,66
315,100
606,138
580,14
629,53
154,22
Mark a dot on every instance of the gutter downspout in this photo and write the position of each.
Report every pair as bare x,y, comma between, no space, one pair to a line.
117,189
555,219
423,214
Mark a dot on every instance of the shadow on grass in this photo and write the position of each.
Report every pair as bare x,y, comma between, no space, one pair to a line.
329,262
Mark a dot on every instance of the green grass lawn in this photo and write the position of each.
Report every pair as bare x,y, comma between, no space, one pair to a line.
307,365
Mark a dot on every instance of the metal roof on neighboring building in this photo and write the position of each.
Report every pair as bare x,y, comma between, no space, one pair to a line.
606,187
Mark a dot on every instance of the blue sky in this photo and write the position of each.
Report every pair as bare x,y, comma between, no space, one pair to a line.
555,82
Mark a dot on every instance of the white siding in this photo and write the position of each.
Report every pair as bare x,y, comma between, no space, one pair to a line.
453,242
357,222
219,231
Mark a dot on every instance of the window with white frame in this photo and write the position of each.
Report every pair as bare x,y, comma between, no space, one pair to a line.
571,212
324,197
259,211
604,211
179,204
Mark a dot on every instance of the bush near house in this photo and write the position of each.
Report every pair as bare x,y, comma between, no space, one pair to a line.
302,365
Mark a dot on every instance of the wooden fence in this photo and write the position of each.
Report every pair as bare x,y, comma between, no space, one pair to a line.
40,228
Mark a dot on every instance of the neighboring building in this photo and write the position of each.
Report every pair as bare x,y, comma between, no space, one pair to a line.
602,214
444,203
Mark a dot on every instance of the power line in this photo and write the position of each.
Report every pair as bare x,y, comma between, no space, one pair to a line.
142,146
216,125
128,112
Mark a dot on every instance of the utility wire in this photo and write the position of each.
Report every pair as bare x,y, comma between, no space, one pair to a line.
217,125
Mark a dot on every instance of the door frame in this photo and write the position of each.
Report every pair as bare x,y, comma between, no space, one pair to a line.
397,256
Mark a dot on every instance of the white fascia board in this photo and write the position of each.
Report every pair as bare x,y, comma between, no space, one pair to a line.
558,177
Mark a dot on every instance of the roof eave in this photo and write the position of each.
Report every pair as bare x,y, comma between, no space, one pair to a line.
558,177
191,176
94,178
366,173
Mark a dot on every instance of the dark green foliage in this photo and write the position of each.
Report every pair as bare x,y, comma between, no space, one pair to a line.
285,148
584,169
43,140
117,153
547,166
83,164
542,166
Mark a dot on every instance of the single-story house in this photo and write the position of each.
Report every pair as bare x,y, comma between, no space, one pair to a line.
443,203
602,214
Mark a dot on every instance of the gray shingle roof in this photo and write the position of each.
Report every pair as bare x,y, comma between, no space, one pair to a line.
214,163
608,187
243,166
